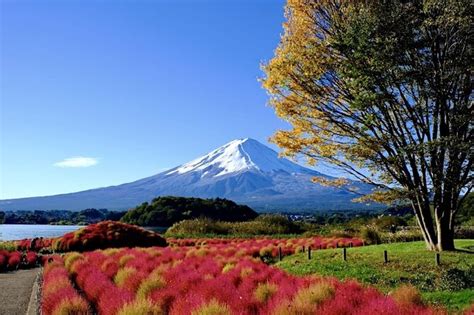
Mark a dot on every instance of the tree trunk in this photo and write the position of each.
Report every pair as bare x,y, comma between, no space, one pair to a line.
445,232
425,222
430,243
438,232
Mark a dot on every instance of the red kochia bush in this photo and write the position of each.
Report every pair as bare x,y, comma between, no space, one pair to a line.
266,247
107,234
58,294
210,279
31,258
3,259
14,260
34,244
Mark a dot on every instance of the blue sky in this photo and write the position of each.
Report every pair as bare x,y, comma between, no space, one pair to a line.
127,88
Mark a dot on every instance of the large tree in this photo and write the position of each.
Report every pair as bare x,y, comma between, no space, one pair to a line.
382,90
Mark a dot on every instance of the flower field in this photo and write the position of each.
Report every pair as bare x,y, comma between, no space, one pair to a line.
220,277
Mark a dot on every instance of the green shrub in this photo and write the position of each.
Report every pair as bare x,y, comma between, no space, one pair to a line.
423,281
465,232
455,279
370,235
405,235
8,246
263,225
266,225
197,227
465,215
342,233
387,222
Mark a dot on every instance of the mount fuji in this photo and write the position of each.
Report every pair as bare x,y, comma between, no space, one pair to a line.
242,170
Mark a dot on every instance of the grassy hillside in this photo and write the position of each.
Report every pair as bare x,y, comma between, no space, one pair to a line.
450,284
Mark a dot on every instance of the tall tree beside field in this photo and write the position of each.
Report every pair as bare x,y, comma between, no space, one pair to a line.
382,90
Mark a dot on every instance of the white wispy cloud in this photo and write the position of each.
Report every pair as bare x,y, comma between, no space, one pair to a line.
77,161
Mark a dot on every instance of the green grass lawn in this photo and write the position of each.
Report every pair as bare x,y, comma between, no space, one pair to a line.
449,284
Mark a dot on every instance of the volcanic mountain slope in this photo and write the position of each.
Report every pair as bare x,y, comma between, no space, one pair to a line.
243,170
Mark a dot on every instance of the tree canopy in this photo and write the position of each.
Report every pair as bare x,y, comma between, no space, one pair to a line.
382,90
165,211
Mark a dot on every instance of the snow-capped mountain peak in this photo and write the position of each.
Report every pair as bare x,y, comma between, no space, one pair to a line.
238,156
242,170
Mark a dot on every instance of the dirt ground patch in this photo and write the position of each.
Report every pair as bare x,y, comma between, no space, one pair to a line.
15,291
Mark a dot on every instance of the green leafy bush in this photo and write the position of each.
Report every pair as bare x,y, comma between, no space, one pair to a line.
404,235
198,227
465,216
388,222
464,232
370,235
455,279
263,225
266,224
8,246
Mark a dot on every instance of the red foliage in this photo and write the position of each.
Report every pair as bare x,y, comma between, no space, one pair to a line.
58,294
17,260
14,259
267,247
31,258
113,300
107,234
218,277
35,244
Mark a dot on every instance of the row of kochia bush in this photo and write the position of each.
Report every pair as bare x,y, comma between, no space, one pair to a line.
265,248
209,279
105,234
112,234
17,260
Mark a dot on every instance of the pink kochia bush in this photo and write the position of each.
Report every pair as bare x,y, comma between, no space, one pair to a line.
33,244
207,279
9,260
17,260
107,234
104,234
31,258
268,247
58,294
14,260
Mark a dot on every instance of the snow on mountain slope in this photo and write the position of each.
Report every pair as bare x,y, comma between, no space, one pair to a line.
238,156
243,170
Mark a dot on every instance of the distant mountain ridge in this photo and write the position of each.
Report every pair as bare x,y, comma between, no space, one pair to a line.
242,170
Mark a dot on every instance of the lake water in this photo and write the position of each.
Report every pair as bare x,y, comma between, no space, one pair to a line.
10,232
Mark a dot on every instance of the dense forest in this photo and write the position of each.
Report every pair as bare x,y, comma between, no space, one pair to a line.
165,211
60,217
